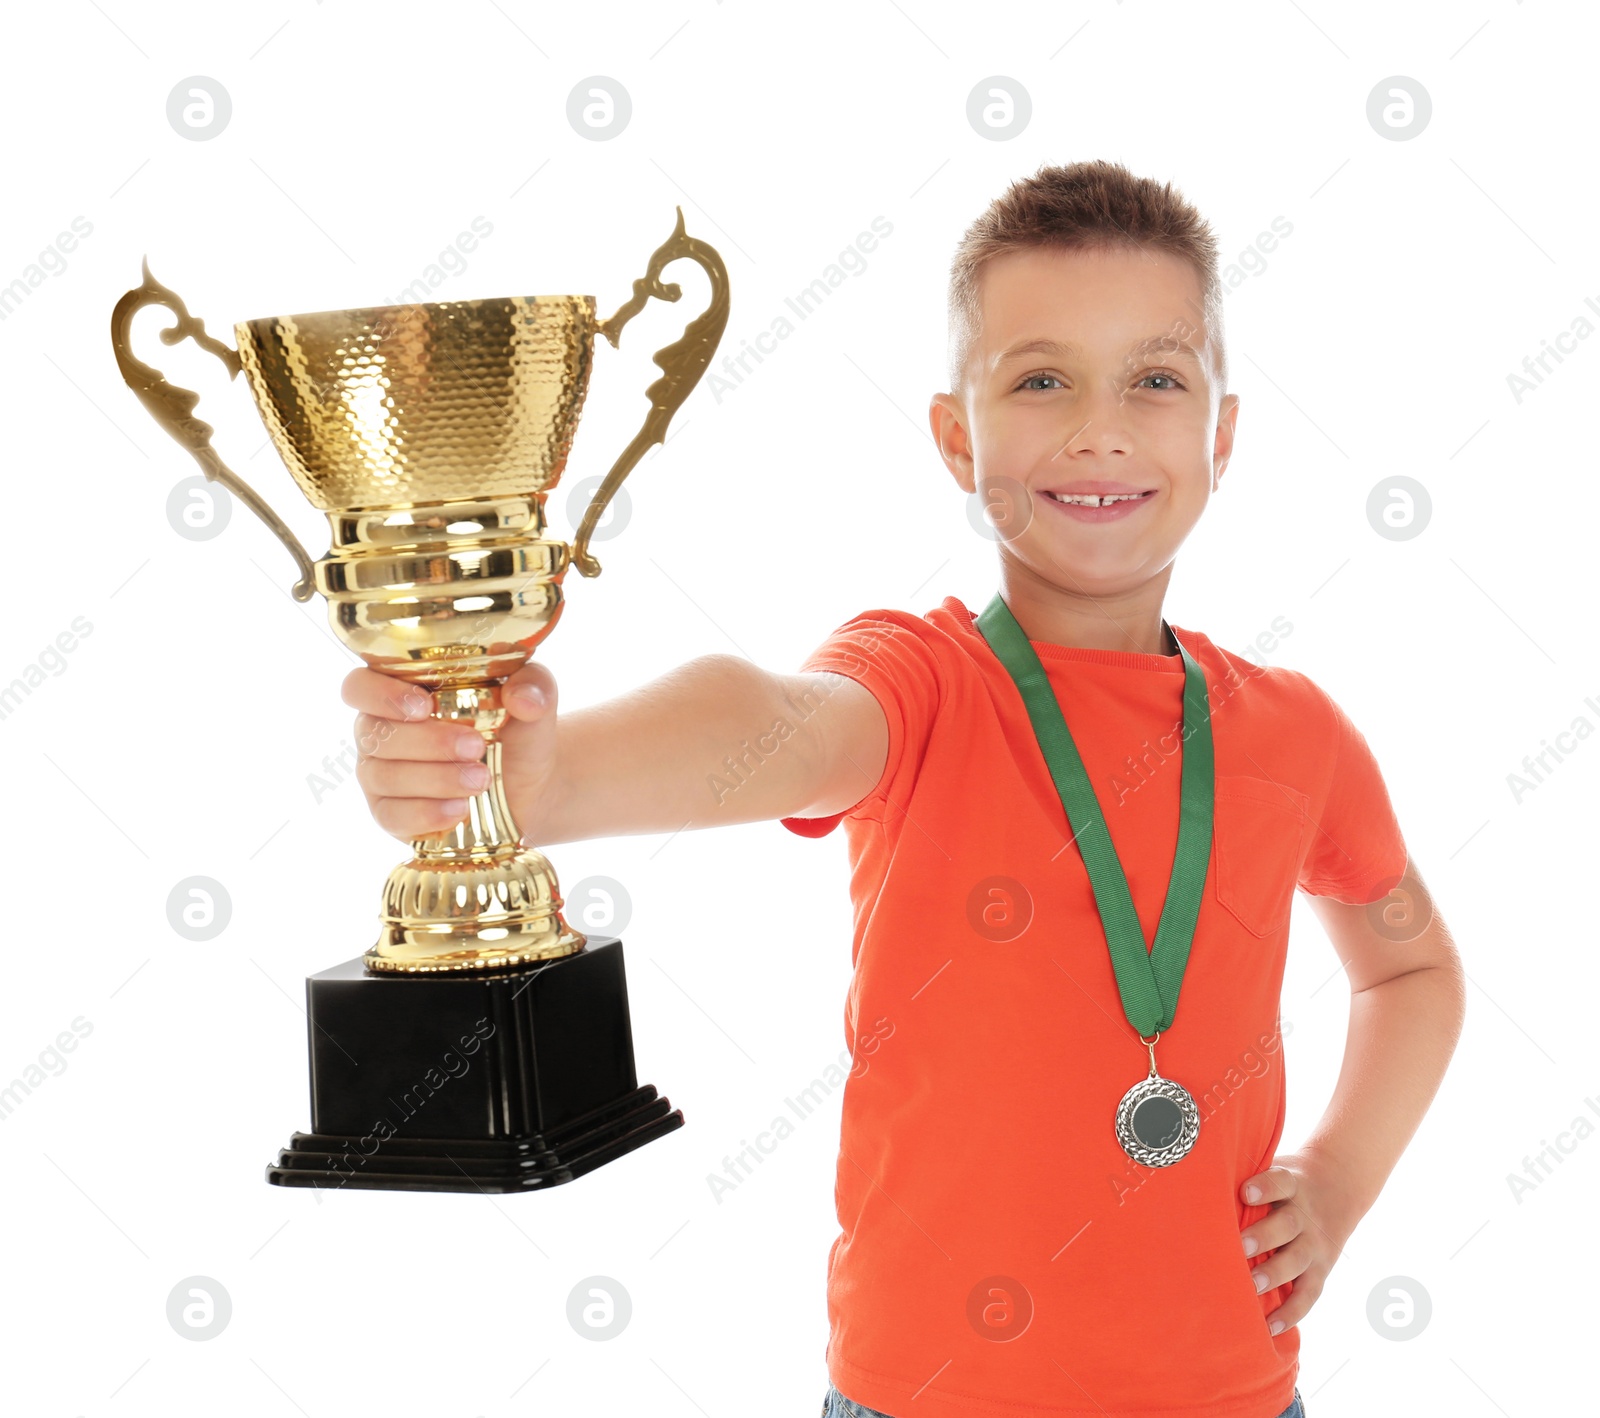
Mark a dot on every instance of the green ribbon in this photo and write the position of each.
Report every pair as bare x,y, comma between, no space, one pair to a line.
1148,980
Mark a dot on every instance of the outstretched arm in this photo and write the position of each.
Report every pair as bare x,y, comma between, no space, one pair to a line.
716,741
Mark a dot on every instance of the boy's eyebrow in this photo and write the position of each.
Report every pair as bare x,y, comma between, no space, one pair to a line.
1165,344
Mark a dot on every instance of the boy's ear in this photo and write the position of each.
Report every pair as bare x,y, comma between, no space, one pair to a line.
948,421
1222,448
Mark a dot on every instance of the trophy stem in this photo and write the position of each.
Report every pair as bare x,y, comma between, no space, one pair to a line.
472,898
486,830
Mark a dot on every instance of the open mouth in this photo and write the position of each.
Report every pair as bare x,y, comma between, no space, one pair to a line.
1090,500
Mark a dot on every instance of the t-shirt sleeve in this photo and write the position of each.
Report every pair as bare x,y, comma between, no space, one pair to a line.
892,654
1357,853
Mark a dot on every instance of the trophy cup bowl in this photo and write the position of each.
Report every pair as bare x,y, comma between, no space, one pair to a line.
430,436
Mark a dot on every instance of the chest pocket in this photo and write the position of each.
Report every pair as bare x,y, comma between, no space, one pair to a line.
1260,831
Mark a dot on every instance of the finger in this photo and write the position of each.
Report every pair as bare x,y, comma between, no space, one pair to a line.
1277,1228
1285,1264
399,778
384,696
433,739
1275,1184
530,692
1297,1306
408,818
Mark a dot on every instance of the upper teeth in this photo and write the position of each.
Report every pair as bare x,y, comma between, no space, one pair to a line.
1090,500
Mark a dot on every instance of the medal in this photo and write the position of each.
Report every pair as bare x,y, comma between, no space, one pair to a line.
1156,1120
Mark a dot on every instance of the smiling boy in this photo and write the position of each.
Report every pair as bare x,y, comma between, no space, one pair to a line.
1074,832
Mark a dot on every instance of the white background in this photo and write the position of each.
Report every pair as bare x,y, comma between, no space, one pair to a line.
1375,341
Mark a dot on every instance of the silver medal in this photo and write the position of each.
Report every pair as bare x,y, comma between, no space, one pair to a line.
1157,1120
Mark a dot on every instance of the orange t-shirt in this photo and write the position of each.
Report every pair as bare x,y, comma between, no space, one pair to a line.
999,1253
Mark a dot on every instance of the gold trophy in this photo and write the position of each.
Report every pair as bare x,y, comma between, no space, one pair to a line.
431,436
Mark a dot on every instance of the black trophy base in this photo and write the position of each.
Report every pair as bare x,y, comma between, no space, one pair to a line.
469,1165
501,1082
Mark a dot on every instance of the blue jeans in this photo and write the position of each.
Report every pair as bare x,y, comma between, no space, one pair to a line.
836,1405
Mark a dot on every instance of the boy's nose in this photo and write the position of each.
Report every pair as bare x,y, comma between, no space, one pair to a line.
1096,423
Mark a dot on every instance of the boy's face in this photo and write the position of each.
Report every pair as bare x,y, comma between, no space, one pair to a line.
1118,395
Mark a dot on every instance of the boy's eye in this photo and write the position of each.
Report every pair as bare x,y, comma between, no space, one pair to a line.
1040,382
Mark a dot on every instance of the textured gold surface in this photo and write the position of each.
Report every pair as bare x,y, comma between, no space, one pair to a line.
458,401
431,435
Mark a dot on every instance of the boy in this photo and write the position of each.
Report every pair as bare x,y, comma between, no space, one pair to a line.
1039,1214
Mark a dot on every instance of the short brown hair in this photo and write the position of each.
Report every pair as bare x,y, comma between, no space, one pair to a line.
1093,205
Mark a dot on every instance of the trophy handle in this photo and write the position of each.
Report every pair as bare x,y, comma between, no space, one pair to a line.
682,363
172,406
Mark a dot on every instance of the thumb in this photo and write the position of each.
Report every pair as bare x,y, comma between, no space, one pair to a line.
530,693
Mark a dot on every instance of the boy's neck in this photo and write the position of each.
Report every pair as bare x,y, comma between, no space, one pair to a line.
1051,616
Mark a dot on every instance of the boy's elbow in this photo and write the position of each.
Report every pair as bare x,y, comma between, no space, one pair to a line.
844,738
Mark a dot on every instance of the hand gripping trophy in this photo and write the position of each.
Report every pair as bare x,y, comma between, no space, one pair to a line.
431,436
